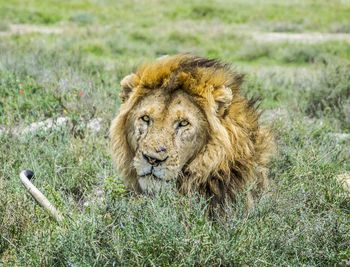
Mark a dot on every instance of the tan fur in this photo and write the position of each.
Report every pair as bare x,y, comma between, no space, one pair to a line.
222,150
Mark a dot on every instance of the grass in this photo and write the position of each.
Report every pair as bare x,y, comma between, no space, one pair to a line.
302,220
332,94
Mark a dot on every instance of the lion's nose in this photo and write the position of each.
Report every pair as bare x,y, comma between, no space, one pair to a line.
153,160
161,149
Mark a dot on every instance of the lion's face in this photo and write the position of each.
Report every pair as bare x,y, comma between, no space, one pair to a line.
165,132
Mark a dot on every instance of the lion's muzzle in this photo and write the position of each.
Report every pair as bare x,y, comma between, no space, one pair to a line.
152,169
152,162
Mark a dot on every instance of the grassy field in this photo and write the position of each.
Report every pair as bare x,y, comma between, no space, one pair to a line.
64,59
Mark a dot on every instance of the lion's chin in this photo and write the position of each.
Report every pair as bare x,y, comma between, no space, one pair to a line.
151,184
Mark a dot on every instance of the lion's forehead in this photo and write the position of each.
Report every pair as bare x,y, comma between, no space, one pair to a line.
161,106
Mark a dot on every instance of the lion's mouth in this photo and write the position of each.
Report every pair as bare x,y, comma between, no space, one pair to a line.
153,173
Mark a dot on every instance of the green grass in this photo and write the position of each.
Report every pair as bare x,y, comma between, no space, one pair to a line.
302,220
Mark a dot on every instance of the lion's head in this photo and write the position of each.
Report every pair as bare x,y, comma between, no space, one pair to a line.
167,131
182,122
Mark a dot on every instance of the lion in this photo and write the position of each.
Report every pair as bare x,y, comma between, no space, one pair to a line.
183,123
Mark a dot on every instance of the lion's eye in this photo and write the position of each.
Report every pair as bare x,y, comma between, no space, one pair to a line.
145,118
183,123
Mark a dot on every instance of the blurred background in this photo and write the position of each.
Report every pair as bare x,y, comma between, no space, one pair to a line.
83,48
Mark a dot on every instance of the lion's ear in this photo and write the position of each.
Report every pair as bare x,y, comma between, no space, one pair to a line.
128,83
223,98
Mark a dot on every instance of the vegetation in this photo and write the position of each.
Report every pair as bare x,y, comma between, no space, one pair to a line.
66,60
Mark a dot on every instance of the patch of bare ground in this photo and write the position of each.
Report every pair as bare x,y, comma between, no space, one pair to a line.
216,28
307,37
18,29
344,180
340,137
93,126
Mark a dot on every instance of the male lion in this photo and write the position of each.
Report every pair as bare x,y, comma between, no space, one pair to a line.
183,119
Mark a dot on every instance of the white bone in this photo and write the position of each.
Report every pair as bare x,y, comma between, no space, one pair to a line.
40,198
